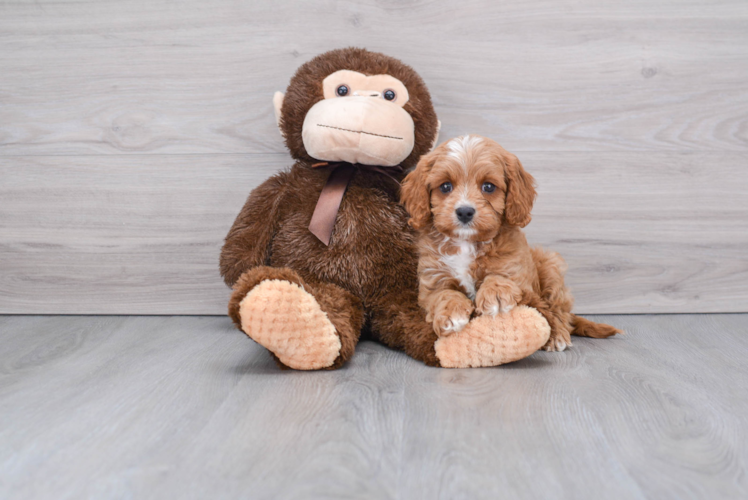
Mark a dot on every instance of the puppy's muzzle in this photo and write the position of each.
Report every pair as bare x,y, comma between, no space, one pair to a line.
465,214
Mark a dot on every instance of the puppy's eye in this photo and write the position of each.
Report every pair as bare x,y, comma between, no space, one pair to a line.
389,95
488,187
446,187
342,90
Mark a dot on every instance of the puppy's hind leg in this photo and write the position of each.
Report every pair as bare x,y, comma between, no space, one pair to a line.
559,322
555,299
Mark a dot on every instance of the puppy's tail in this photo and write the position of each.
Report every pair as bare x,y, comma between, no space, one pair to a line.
585,328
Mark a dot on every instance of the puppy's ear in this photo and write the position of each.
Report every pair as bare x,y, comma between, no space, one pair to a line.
520,192
415,193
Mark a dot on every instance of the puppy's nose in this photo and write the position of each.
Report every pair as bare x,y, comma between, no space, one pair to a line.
465,214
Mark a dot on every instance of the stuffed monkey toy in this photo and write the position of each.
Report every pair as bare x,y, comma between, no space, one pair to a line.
322,253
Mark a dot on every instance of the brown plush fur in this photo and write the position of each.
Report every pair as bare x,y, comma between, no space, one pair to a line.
484,266
366,279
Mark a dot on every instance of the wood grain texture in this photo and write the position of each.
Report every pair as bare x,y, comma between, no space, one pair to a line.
118,234
84,77
188,407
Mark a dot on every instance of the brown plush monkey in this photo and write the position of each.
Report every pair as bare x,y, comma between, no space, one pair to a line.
323,252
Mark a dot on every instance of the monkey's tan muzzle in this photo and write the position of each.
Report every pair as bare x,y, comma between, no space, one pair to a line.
366,130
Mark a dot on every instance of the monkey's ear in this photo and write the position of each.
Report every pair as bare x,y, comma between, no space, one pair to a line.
436,135
277,105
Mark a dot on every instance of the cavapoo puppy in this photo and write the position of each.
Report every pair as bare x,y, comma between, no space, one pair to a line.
468,199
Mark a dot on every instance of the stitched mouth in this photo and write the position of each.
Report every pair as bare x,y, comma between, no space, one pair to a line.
361,132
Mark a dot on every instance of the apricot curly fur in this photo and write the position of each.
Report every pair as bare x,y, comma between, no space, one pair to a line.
497,267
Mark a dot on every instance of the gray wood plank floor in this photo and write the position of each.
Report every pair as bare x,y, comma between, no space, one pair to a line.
187,407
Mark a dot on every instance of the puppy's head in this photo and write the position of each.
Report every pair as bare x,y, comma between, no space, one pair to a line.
467,188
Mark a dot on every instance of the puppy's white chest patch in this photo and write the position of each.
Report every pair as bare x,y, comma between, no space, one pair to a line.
459,266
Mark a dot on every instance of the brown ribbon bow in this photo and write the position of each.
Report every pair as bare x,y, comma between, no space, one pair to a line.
326,211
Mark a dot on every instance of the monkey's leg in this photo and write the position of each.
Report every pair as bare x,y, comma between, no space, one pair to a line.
307,326
485,341
399,322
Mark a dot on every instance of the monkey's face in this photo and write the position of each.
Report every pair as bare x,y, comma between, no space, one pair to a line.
357,106
360,120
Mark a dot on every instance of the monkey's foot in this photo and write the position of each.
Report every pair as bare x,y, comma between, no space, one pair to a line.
494,340
287,320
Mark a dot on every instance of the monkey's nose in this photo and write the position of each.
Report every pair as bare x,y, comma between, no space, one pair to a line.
465,214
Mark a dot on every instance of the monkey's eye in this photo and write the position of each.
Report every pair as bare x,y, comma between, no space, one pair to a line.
342,90
446,187
389,95
488,187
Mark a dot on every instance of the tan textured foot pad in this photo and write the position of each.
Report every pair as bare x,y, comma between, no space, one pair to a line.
287,320
494,340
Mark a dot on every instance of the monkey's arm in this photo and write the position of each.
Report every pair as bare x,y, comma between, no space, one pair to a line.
248,243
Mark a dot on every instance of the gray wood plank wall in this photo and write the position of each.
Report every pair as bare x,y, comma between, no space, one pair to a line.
132,131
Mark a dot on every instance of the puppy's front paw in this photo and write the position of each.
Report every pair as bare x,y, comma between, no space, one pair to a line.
452,316
497,295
